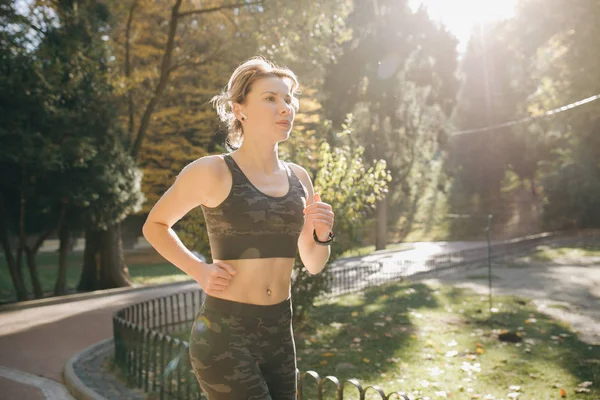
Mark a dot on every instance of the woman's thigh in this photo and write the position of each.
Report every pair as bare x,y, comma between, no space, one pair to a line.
222,362
278,362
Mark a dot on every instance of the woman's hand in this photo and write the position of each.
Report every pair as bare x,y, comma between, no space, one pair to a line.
320,215
215,278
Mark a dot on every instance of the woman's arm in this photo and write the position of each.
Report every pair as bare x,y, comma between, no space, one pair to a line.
320,219
191,188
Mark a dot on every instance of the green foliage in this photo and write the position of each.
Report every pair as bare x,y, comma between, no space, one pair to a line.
345,180
572,196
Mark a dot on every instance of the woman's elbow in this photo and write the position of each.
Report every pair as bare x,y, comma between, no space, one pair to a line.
148,229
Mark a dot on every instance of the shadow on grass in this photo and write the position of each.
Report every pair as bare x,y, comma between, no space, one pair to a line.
360,336
545,345
388,332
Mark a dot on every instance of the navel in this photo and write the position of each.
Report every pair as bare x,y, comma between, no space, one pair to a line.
268,291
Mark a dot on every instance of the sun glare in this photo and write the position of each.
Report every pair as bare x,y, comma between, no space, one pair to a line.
461,16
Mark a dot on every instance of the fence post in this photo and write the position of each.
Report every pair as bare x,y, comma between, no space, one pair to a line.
489,246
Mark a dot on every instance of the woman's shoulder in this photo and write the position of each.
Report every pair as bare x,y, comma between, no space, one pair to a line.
300,172
303,177
206,167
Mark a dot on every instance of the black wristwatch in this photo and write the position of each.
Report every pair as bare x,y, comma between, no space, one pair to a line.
329,240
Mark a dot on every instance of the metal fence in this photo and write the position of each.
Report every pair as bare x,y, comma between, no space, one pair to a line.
356,276
152,359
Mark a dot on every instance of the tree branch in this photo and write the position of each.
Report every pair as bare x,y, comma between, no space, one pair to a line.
165,68
130,104
219,8
195,64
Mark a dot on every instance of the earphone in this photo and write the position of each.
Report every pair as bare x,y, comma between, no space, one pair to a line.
244,116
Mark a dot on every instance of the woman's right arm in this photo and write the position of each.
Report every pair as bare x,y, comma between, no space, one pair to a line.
191,188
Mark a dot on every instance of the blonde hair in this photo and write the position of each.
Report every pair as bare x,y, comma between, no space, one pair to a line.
237,90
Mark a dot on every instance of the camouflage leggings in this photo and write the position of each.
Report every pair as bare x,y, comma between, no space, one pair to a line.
244,351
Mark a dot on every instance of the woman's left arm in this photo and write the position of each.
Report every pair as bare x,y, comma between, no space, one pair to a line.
318,218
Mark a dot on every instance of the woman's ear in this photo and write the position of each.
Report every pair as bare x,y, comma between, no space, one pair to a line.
237,111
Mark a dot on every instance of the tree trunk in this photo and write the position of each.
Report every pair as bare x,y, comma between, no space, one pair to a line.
16,274
381,224
33,272
114,273
103,262
89,272
60,287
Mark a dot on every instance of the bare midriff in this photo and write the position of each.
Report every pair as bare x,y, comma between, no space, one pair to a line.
263,281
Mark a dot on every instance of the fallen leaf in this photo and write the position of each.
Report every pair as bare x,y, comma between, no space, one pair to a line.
323,362
354,313
480,351
563,393
328,354
585,384
366,360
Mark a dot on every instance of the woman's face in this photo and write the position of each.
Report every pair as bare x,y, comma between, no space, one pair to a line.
268,109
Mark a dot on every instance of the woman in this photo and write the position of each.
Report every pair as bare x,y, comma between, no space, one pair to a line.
259,212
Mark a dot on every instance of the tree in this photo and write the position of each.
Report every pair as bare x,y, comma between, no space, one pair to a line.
402,89
61,141
26,154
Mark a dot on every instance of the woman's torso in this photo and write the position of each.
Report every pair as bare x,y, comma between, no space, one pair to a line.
257,280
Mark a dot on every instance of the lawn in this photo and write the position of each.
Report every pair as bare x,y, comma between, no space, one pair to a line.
565,253
439,342
146,267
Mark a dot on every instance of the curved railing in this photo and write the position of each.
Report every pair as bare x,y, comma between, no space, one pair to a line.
157,362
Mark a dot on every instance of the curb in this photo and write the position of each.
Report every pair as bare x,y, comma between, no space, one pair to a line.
74,385
87,295
50,389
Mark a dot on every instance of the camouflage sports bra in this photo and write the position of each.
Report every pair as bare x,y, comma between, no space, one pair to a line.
252,224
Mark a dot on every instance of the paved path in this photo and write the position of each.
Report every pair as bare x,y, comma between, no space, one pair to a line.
568,290
39,341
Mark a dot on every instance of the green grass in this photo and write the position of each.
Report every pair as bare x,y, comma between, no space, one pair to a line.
548,254
145,267
399,337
